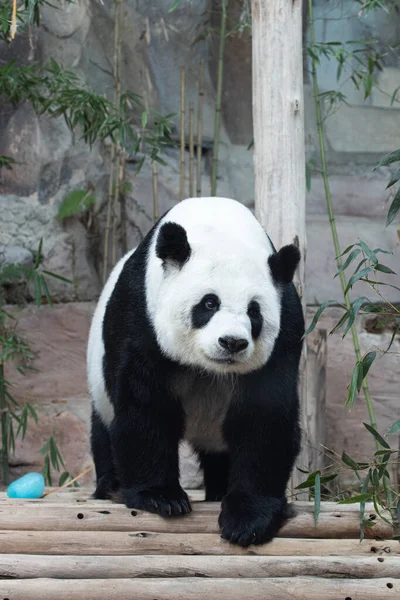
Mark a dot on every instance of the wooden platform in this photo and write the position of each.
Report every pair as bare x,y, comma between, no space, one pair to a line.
70,547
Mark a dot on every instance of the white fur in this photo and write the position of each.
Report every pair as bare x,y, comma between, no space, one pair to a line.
229,257
95,351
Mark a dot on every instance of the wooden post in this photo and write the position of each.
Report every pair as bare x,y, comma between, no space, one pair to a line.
278,122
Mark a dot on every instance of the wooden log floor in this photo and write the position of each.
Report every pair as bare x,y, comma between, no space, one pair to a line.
68,546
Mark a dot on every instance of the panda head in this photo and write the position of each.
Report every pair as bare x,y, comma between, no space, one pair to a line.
218,302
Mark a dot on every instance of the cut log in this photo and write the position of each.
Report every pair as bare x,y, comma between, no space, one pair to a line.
122,543
203,519
300,588
23,566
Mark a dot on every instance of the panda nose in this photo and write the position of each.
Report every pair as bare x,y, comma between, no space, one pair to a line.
233,344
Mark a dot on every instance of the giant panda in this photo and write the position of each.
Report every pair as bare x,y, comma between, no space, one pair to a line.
197,335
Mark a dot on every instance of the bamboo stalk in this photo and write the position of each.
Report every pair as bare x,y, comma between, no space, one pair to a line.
217,120
191,149
4,432
111,543
115,206
25,566
108,219
194,588
332,221
122,201
155,191
182,164
200,128
203,519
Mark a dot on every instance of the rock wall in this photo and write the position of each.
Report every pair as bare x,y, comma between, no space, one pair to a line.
51,161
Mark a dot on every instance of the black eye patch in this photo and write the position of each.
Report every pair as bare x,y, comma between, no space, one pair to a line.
256,320
203,312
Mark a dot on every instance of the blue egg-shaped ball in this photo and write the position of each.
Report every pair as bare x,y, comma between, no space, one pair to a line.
30,485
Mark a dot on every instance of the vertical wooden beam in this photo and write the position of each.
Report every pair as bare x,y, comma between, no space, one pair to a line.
278,117
315,406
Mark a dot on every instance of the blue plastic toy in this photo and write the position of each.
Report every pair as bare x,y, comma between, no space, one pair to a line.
30,485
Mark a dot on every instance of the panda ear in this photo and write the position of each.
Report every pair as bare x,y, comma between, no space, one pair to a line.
172,244
283,264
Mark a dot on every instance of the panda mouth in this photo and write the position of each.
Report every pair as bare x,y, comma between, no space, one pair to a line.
223,361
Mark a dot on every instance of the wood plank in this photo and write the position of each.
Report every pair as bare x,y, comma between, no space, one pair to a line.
123,543
300,588
203,519
65,498
24,566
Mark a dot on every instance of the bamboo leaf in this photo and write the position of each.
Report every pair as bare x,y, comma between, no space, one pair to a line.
352,256
388,159
394,179
377,436
355,308
394,428
356,499
351,396
394,208
318,314
368,252
384,269
75,203
359,275
366,363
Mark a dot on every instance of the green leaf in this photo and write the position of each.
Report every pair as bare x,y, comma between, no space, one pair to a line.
395,178
394,428
59,277
318,314
63,478
377,435
356,277
308,177
356,499
39,254
175,5
352,463
317,497
388,159
351,396
144,119
310,481
368,252
365,365
355,308
75,203
347,250
394,208
38,290
384,269
353,255
46,291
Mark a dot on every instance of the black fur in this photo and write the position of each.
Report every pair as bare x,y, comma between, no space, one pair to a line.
283,264
256,319
203,312
261,428
172,244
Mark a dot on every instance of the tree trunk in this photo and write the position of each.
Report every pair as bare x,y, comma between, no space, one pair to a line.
278,118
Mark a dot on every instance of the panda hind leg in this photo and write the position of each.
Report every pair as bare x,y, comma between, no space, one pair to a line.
215,466
107,484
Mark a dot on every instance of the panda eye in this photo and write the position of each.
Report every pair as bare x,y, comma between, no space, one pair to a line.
211,302
253,309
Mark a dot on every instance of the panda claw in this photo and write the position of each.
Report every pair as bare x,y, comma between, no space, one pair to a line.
164,502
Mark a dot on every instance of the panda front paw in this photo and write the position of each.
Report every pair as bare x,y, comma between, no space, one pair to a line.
164,501
251,519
